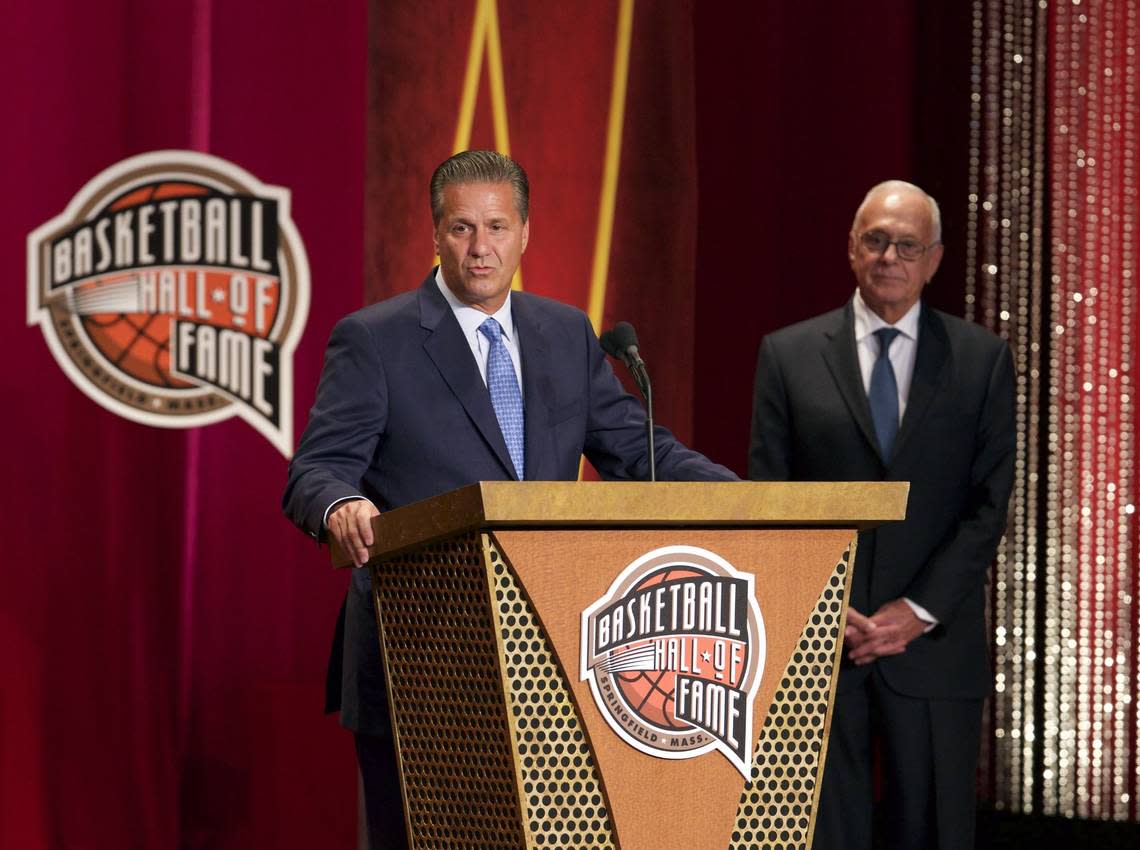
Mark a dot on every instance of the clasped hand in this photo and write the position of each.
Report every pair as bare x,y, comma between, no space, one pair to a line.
886,632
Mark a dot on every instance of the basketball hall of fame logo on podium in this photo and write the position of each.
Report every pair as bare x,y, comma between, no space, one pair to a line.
673,653
173,290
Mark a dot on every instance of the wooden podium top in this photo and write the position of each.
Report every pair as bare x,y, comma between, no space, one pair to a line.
628,504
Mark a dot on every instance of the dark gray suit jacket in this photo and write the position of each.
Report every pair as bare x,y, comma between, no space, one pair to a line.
402,414
811,422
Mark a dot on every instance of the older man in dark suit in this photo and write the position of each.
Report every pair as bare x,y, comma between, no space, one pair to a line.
458,381
887,388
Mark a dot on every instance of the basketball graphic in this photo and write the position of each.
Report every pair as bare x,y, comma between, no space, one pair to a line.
673,654
650,692
137,343
173,291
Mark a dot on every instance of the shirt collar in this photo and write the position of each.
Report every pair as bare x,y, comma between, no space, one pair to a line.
867,321
469,318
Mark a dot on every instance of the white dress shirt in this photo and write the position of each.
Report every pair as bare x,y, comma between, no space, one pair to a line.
902,353
470,319
903,348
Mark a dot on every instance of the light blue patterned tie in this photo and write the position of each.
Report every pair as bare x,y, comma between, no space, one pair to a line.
884,393
505,395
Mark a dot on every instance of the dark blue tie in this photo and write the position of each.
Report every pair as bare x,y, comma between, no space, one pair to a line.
884,393
505,396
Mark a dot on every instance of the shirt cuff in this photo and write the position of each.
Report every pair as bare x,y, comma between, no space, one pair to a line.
922,614
328,510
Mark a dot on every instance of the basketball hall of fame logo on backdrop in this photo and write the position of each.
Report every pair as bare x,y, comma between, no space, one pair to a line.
173,290
673,653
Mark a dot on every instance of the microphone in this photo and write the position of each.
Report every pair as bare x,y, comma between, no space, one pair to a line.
620,342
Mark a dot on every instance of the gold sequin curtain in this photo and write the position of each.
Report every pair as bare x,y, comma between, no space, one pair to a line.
1051,264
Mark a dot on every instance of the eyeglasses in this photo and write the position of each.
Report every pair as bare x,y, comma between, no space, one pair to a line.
878,242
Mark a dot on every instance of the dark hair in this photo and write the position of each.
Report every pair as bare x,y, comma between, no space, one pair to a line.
479,167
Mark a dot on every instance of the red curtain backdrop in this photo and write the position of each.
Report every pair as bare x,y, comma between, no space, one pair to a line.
163,630
801,108
558,79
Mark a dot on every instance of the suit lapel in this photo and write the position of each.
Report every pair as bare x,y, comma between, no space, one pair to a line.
451,354
930,365
843,360
537,372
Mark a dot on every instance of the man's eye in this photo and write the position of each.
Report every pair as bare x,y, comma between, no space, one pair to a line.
459,228
909,245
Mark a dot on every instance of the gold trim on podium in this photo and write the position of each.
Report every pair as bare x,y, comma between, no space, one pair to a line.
635,504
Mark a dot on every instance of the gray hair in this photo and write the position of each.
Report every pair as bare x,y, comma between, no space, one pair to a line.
479,167
902,185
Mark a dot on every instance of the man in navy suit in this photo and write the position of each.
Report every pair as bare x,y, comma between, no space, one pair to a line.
459,381
886,388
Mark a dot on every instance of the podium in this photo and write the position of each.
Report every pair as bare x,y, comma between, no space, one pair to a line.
617,665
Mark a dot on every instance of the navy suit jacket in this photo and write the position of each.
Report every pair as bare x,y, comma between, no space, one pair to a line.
402,414
955,445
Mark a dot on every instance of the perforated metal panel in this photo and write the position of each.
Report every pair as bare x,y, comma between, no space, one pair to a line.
464,787
561,792
446,686
777,808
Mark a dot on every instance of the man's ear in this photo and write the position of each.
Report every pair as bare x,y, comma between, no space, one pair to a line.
935,261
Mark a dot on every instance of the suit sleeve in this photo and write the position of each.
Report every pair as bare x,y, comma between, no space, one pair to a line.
770,448
346,423
615,432
959,566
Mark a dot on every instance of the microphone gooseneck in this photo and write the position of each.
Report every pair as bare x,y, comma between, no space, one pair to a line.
620,342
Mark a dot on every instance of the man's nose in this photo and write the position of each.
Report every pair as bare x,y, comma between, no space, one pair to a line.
478,246
890,253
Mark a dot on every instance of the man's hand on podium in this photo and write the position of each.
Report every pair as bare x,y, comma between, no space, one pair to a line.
886,632
350,524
